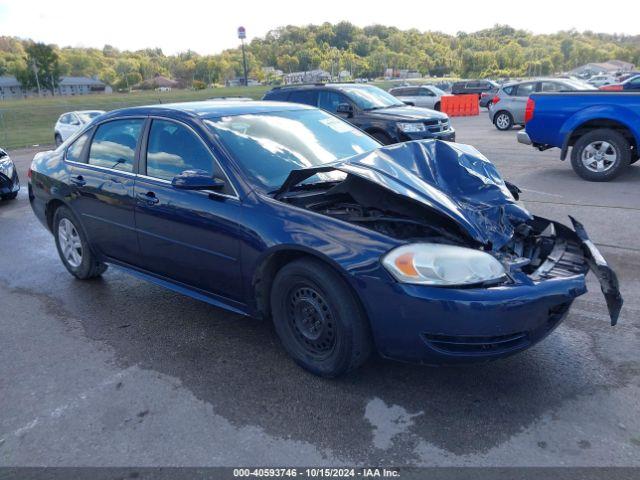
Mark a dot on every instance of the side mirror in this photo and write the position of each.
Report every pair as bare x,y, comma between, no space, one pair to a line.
345,108
197,180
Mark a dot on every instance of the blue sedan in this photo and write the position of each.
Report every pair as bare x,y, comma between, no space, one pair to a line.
419,251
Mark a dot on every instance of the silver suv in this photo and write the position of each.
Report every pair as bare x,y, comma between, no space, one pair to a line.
508,106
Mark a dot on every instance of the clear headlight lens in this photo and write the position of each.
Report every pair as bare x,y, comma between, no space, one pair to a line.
442,265
411,127
6,167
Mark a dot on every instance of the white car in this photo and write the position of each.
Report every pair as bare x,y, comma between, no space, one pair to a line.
425,96
70,122
601,80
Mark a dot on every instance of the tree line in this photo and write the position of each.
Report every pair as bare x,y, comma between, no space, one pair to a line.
501,51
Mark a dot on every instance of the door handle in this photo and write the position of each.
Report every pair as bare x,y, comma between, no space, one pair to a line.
149,198
78,180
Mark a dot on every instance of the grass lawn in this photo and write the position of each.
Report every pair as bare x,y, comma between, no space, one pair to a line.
28,122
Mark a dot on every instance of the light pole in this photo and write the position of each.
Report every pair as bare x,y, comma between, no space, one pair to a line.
242,34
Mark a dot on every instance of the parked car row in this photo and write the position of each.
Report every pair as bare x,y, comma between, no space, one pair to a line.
70,122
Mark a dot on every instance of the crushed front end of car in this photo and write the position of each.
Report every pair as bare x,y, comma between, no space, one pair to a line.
476,276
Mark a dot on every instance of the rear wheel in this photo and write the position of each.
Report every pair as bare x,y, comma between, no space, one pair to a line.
503,120
436,107
318,320
600,155
73,247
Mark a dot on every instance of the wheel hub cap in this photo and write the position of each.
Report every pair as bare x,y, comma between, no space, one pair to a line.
599,156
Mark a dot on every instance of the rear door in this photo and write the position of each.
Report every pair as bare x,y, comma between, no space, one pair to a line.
103,178
188,236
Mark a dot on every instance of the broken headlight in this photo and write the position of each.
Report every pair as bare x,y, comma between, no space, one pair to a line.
442,265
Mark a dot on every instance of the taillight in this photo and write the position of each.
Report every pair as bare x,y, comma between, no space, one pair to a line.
29,173
495,99
528,111
612,88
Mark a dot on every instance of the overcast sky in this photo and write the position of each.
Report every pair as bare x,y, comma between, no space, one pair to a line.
209,27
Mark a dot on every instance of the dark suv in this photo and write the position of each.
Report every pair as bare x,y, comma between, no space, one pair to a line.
485,89
371,109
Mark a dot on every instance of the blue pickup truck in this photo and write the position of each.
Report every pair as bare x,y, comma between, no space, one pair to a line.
602,129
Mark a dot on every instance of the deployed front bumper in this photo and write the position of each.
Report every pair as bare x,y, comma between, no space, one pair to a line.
460,325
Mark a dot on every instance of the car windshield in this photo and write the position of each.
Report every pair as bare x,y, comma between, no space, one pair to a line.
370,98
436,90
268,146
86,117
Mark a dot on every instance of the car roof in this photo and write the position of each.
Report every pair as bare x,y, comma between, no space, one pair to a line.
210,108
337,86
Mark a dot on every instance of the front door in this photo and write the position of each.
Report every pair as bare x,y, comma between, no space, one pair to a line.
187,236
103,179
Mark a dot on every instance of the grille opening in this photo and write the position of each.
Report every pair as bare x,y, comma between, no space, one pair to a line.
467,345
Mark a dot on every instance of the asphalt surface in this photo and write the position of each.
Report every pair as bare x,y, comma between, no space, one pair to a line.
117,371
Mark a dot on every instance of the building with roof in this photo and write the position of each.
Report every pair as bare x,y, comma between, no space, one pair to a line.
10,87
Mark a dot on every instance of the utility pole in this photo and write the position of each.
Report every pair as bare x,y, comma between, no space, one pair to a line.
242,34
35,70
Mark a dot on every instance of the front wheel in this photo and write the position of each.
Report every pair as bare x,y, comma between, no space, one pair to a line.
318,320
503,121
58,139
600,155
73,247
383,138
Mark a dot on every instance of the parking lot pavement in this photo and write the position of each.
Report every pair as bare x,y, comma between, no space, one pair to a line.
117,371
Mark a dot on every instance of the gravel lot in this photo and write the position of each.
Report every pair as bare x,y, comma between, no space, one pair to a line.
121,372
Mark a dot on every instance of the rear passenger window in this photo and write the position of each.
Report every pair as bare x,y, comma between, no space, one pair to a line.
308,97
74,152
526,89
114,144
553,87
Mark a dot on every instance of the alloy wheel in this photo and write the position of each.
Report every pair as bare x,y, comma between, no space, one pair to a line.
599,156
70,243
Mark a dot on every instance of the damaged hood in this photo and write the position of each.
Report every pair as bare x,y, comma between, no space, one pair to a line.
454,180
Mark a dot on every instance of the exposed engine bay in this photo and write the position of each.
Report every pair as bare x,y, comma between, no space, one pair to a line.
366,204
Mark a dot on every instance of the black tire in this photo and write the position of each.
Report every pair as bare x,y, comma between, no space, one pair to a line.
503,120
319,321
89,267
382,137
436,107
619,149
10,196
58,139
